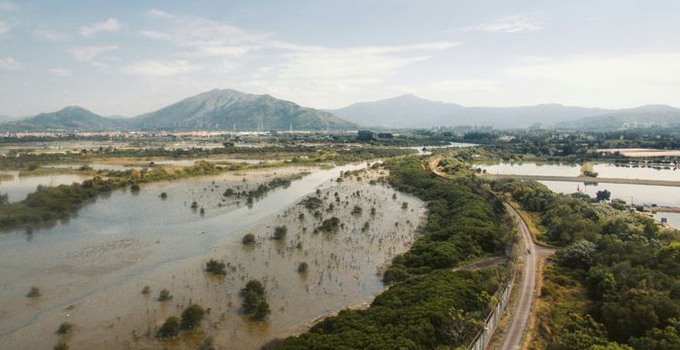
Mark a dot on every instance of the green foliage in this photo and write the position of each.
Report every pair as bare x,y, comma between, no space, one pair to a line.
442,309
603,195
169,329
146,290
215,267
191,317
578,255
254,300
463,222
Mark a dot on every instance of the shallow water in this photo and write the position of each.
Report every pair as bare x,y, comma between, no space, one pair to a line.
605,170
92,268
20,186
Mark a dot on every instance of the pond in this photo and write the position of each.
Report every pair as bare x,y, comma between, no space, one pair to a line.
92,268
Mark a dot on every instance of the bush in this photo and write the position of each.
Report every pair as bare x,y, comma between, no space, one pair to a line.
169,329
34,293
280,232
192,316
330,225
146,290
303,267
64,328
164,295
61,346
248,239
254,301
215,267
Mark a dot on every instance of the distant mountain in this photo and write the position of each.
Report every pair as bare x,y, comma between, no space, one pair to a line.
212,110
402,111
640,117
408,111
4,118
65,120
233,110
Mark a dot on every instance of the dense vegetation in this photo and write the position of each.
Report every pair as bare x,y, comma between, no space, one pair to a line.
627,265
429,306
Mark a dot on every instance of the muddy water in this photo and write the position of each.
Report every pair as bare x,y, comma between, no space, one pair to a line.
92,269
604,170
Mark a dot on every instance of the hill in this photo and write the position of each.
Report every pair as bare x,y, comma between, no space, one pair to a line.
68,119
212,110
640,117
408,111
233,110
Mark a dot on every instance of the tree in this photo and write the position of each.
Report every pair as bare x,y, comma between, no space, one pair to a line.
169,329
215,267
280,232
192,316
248,239
603,195
164,295
365,136
33,293
302,268
254,300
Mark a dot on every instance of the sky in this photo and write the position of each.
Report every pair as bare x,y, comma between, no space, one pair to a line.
127,57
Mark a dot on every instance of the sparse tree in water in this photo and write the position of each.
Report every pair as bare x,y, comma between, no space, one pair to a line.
192,316
254,300
169,329
215,267
303,267
280,232
249,238
164,295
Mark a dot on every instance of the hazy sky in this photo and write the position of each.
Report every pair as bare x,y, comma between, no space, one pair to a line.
129,57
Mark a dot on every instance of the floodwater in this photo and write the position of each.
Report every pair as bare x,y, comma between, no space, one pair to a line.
18,187
91,269
606,170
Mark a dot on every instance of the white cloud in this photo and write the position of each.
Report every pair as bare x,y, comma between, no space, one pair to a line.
4,27
110,25
160,14
9,63
8,6
161,69
156,35
510,25
202,37
600,70
49,35
60,72
89,53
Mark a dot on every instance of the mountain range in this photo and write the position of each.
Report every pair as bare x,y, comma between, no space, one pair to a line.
408,111
236,111
212,110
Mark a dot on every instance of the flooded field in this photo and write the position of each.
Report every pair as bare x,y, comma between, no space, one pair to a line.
18,187
91,270
562,169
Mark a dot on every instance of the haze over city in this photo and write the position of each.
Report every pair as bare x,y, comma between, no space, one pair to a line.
127,58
